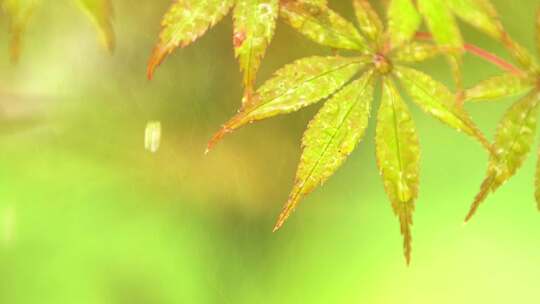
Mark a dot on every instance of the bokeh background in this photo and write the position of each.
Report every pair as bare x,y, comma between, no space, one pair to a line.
88,216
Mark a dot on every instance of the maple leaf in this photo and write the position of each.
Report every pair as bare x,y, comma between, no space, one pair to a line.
398,158
341,122
19,13
516,130
185,22
188,20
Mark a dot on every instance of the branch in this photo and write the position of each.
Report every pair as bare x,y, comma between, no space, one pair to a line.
481,53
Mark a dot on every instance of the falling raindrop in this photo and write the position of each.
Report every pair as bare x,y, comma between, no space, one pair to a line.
152,136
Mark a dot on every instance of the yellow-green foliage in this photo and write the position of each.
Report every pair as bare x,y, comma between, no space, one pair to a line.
379,53
376,54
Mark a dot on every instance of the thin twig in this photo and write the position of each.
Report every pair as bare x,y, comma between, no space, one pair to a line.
481,53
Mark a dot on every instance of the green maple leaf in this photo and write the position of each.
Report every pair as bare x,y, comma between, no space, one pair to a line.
398,158
516,130
19,13
341,122
185,22
188,20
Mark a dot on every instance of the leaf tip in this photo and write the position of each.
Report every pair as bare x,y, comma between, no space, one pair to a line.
283,216
234,123
287,211
480,197
216,138
407,240
15,47
472,210
158,55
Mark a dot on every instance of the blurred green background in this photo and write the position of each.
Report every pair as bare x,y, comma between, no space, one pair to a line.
88,216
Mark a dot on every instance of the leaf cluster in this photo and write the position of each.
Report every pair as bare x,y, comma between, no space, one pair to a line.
383,50
516,130
381,53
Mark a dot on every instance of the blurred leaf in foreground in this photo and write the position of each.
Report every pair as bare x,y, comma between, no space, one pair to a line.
185,22
101,13
398,158
18,13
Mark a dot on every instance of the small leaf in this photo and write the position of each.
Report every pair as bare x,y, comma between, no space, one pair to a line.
435,99
479,13
101,13
398,158
254,25
403,21
297,85
322,25
414,52
184,23
18,13
440,22
368,20
331,136
499,87
515,135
